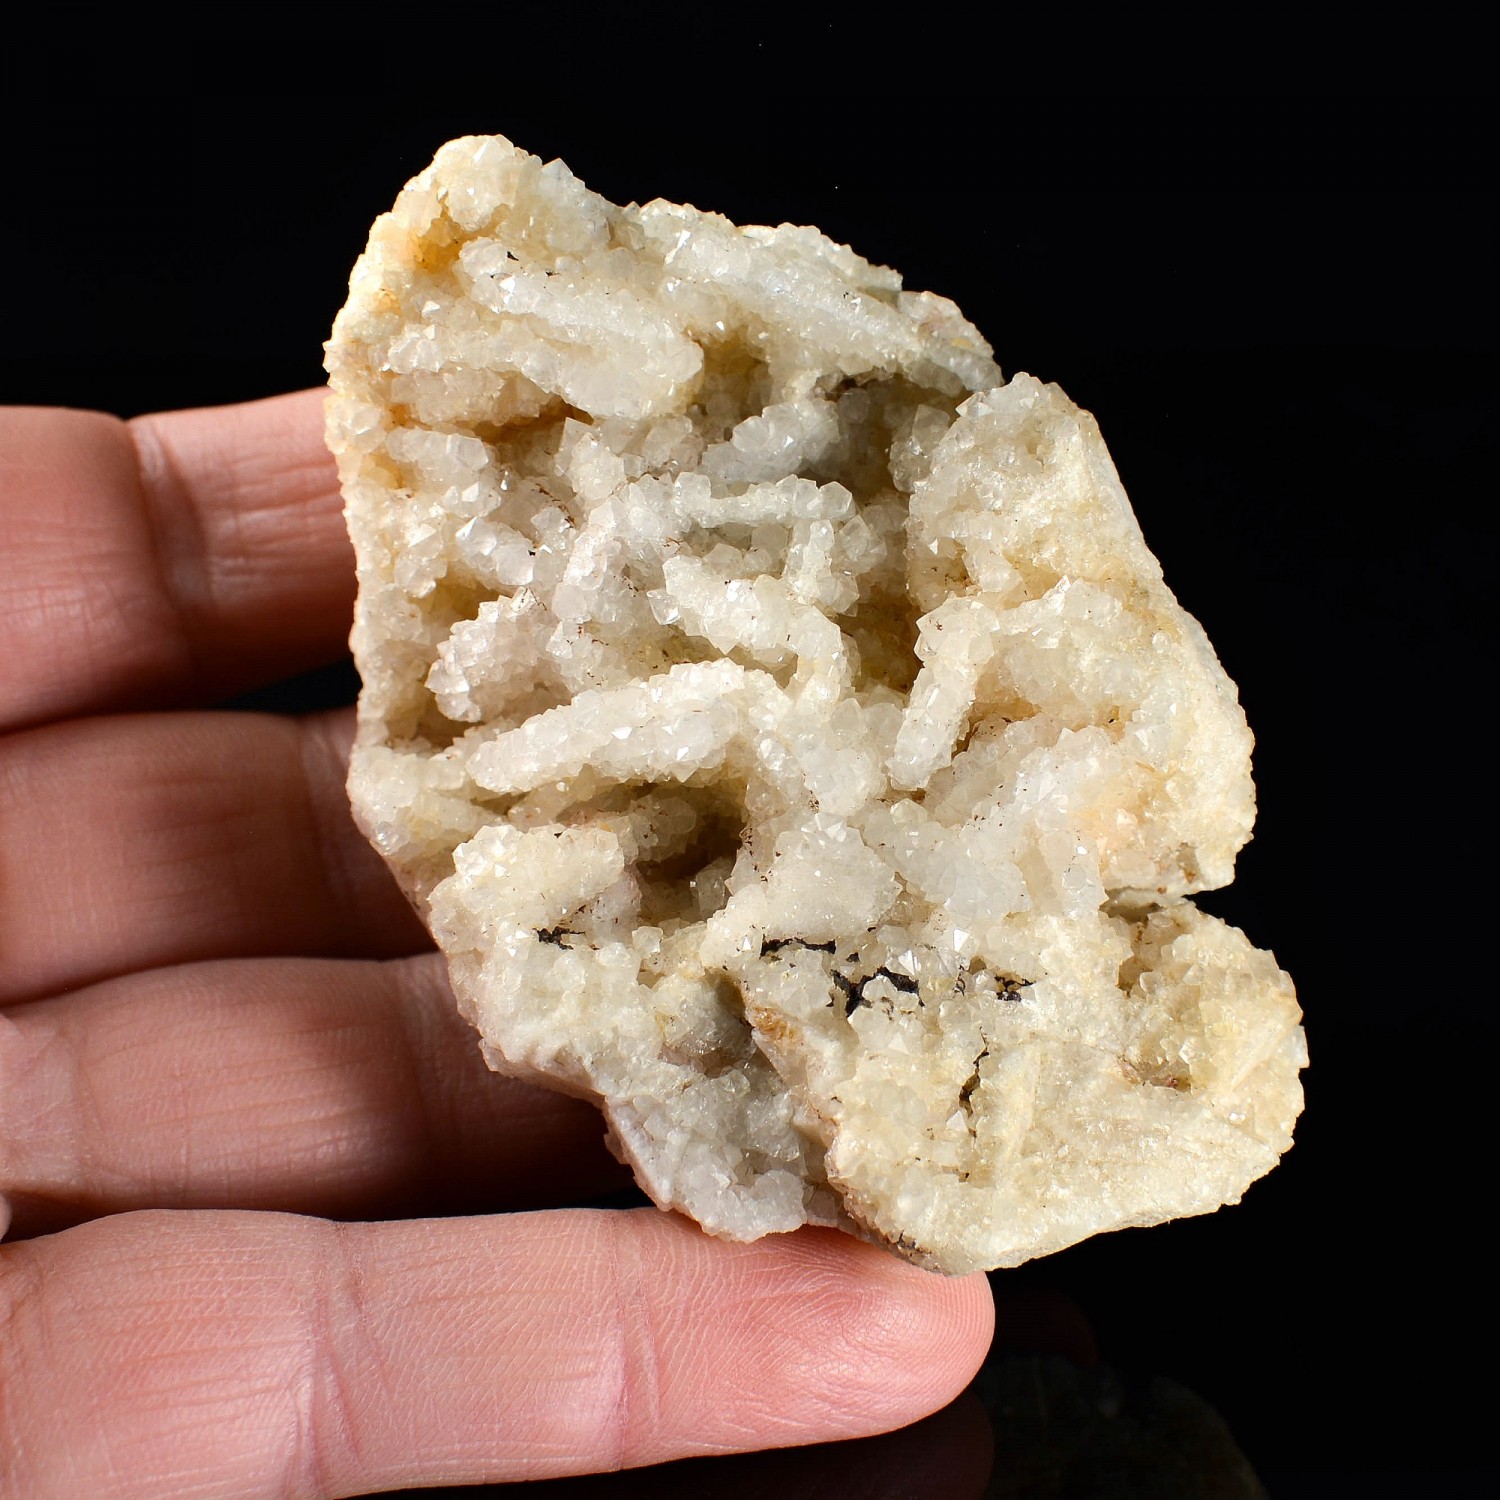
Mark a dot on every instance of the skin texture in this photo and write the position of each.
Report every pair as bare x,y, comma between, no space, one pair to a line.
225,1043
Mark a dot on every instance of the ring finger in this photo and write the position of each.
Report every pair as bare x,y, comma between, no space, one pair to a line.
197,836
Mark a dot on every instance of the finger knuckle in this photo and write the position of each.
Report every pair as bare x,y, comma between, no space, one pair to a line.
22,1463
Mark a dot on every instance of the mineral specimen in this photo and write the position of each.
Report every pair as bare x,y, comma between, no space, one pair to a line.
785,731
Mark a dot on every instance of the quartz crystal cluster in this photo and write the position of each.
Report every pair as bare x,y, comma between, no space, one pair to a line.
785,731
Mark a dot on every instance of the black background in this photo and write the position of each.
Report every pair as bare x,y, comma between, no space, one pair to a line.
1280,311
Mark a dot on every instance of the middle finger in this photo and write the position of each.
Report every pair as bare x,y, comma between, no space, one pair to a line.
312,1085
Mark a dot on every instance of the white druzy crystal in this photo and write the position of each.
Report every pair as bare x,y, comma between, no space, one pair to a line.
785,731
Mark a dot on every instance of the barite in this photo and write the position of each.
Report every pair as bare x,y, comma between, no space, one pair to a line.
785,732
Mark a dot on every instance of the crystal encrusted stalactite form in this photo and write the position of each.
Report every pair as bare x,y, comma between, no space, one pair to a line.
785,732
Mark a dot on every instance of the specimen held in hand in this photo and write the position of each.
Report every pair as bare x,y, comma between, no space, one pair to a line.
785,731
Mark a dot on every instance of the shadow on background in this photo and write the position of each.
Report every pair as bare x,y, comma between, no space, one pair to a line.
1043,1420
1031,1427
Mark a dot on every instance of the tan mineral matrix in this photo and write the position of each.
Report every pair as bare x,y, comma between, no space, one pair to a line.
786,733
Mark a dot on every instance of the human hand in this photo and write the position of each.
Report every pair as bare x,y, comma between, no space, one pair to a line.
220,1018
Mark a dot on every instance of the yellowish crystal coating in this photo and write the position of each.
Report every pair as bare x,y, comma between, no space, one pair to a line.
786,732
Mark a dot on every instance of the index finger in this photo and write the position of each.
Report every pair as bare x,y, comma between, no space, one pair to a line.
177,558
256,1354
